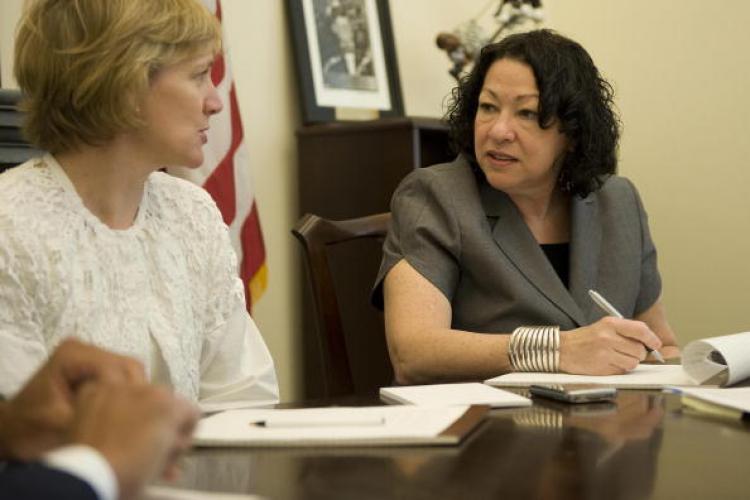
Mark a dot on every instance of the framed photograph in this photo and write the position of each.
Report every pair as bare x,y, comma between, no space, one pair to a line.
345,57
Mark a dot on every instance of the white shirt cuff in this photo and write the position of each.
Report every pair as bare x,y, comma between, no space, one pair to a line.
87,464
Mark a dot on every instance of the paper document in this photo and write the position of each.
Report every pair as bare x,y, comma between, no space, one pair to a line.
737,398
724,359
643,377
215,407
453,394
339,426
169,493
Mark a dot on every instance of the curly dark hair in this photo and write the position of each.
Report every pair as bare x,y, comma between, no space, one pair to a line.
571,90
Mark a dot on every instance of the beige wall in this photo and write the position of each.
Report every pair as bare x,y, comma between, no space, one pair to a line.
262,63
680,70
10,11
682,75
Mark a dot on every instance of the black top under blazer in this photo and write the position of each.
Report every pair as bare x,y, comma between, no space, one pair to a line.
469,240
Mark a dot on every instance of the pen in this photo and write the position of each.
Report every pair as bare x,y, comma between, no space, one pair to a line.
327,421
610,309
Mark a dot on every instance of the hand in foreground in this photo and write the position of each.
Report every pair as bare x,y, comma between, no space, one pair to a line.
610,346
38,418
140,429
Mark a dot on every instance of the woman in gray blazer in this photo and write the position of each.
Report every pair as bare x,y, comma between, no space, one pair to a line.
489,259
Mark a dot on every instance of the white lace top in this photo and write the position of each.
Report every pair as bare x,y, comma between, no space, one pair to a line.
164,291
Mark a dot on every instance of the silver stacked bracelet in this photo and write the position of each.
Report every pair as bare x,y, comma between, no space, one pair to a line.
535,349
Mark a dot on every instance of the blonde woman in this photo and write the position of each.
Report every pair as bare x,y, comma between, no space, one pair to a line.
95,242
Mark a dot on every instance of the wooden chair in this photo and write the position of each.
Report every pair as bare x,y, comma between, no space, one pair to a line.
342,260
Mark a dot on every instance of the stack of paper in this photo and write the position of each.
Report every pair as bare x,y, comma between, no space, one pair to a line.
453,394
731,402
340,426
643,377
169,493
725,359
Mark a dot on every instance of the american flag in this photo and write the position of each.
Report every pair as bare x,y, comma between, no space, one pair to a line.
225,174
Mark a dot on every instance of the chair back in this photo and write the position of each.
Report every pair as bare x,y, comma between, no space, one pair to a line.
342,260
14,149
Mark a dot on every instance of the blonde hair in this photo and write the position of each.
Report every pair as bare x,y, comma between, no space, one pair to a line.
83,65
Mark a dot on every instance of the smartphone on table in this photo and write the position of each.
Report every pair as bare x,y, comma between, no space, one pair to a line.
574,393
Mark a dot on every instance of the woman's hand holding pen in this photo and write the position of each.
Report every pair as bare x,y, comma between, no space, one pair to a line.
610,346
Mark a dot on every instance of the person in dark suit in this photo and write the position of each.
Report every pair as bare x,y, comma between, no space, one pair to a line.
87,426
514,232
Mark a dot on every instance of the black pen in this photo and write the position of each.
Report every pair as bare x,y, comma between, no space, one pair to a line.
610,309
320,421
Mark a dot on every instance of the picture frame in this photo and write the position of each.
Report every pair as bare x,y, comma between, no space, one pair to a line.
345,57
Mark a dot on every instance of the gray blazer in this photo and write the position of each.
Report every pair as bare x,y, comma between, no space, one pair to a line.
469,240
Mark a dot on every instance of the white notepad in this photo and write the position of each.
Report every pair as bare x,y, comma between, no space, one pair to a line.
643,377
397,425
737,398
169,493
453,394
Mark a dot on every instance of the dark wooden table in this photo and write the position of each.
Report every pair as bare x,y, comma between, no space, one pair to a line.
644,446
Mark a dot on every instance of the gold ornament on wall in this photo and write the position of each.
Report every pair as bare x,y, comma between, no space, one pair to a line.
462,45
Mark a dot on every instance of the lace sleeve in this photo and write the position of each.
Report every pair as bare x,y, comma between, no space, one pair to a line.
23,346
237,365
235,362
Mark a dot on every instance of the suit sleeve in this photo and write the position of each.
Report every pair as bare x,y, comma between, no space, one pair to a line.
30,482
424,232
650,283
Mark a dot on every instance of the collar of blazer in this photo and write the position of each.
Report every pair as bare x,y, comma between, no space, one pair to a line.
516,241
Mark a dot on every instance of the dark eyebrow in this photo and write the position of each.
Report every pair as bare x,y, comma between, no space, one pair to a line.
521,97
488,91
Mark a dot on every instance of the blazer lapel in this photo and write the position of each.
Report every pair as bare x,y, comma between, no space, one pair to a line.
585,243
516,241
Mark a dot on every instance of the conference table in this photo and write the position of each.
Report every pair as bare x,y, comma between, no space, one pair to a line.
644,445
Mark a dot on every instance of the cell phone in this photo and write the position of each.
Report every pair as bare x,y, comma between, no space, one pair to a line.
574,393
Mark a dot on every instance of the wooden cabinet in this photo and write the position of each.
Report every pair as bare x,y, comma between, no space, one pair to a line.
349,170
